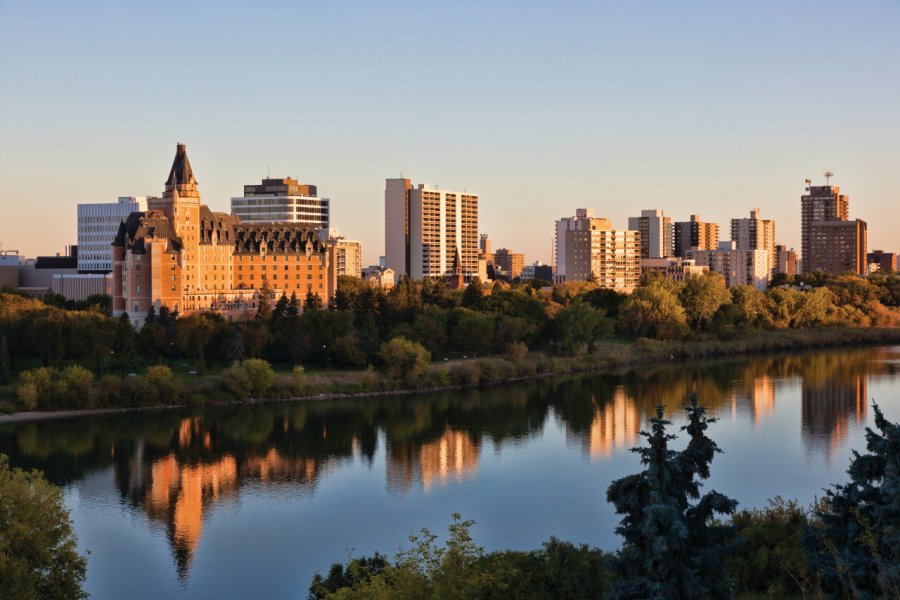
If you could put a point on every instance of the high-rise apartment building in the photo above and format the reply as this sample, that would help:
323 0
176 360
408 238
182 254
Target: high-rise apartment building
820 203
282 201
425 228
588 248
508 264
786 260
347 253
738 267
695 234
886 261
837 247
755 234
98 224
657 233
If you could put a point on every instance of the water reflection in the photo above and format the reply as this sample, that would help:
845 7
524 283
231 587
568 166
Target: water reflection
174 468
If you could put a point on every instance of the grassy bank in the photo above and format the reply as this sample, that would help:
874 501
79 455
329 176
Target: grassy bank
156 388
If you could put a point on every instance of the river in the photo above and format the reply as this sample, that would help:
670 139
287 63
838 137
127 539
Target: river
250 501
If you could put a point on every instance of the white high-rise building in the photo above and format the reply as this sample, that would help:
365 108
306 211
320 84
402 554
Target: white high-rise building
98 224
738 267
282 201
588 248
755 234
347 253
657 233
425 227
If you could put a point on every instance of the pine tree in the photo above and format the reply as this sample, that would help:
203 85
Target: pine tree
473 294
671 549
5 365
293 306
264 308
281 307
312 302
236 348
856 551
151 315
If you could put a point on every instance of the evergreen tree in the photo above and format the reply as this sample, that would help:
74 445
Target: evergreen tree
281 307
125 347
236 348
671 549
312 302
5 366
857 549
293 308
473 294
264 307
151 315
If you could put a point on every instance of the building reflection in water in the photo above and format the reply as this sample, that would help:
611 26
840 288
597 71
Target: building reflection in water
829 410
615 425
451 457
756 398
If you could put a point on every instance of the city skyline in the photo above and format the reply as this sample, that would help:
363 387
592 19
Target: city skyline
539 110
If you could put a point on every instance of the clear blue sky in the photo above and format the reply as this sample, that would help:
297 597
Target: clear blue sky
691 107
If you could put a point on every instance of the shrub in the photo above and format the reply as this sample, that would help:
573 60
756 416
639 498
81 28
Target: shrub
260 374
236 381
465 373
403 358
162 378
516 351
298 376
28 394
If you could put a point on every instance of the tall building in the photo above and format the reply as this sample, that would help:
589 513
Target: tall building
886 261
786 260
282 200
695 235
181 255
508 264
677 269
347 253
820 203
424 229
98 224
755 234
837 247
589 248
657 233
738 267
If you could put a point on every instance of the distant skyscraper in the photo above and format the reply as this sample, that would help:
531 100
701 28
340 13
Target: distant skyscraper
786 260
424 228
657 233
837 247
282 201
695 234
507 263
98 225
589 248
755 234
821 203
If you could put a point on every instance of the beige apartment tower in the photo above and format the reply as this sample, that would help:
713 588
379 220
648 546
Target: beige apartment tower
695 235
657 233
589 248
425 227
755 233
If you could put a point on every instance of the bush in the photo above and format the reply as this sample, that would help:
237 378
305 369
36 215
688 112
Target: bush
236 380
298 377
465 374
403 358
167 386
516 351
260 374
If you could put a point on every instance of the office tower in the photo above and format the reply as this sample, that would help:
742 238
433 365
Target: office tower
755 234
282 200
508 264
738 267
886 261
837 247
786 260
588 248
98 224
820 203
695 234
182 255
425 228
657 233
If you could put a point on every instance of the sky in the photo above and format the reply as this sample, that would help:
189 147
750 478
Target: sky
710 108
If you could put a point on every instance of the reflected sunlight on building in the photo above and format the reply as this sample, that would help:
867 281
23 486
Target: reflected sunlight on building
830 411
616 425
451 457
757 398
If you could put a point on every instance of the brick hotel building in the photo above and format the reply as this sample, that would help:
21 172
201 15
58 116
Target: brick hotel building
182 255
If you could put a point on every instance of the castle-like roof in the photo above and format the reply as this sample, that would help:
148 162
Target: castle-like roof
142 226
181 172
278 238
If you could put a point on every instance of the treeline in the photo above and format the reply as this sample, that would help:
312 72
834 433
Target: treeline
678 544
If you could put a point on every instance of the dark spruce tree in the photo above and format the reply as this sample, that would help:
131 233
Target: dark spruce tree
672 548
293 308
281 307
264 307
856 547
5 364
237 350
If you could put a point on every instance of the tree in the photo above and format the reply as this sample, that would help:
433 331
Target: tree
579 325
701 297
474 293
264 306
5 365
856 550
312 301
403 358
38 553
671 549
281 307
236 348
653 310
293 308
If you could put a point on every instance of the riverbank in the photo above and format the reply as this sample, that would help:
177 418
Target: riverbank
610 356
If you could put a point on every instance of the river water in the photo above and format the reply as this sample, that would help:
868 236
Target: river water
251 501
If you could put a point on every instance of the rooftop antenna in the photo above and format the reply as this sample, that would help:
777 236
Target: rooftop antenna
808 183
828 176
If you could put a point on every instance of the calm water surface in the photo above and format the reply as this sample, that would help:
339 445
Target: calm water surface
249 502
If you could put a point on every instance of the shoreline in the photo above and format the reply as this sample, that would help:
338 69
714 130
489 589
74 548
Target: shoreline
607 357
